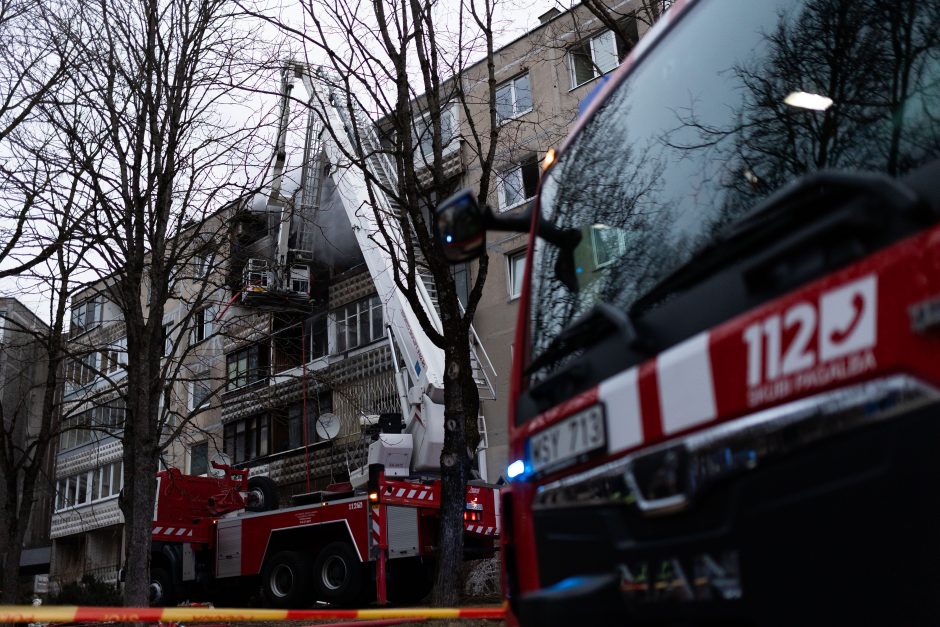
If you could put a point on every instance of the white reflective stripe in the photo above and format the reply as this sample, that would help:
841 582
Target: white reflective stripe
169 531
621 397
489 531
190 533
411 494
497 504
181 531
157 529
421 496
686 387
400 492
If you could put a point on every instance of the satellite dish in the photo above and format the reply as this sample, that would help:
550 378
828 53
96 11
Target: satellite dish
218 458
328 426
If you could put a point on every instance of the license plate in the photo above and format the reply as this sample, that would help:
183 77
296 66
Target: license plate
568 440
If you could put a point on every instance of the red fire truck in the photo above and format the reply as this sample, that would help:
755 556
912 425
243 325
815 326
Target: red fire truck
727 382
223 538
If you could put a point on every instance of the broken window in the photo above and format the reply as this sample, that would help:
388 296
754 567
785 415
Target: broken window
518 183
599 54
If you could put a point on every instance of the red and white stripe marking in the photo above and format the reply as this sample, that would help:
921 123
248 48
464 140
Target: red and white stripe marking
415 494
482 530
172 531
376 525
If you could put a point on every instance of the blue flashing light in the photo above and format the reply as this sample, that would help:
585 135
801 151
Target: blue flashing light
515 469
570 582
449 238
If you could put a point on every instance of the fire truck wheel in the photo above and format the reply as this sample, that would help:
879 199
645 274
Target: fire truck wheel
338 574
262 494
284 579
161 588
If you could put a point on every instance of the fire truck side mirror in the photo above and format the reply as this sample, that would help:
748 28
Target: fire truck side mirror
461 227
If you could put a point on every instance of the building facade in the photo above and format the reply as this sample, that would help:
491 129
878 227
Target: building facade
23 363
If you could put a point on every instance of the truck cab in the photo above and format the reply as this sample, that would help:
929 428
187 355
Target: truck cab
726 403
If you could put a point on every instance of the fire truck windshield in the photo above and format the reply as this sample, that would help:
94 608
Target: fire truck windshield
740 99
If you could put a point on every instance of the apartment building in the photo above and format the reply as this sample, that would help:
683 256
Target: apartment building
22 386
87 526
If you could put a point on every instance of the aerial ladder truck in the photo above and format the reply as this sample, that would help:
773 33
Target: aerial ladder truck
375 536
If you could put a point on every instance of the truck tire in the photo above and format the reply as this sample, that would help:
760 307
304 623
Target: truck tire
262 494
338 574
161 588
285 580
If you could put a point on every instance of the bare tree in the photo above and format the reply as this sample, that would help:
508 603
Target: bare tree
152 119
34 369
33 61
403 64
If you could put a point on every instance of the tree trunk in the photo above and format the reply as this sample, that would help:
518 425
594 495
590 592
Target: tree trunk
12 549
141 455
461 406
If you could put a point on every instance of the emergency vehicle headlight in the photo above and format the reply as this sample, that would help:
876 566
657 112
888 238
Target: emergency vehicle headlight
515 469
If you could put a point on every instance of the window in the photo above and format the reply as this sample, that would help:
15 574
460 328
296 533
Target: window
598 55
519 183
513 98
422 134
114 357
247 366
86 315
199 390
516 271
461 274
247 439
608 244
359 323
317 332
202 324
199 458
201 265
300 279
167 340
89 486
80 371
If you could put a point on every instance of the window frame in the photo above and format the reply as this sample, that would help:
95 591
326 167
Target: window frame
590 44
421 123
250 375
513 281
194 446
67 488
513 98
206 400
203 327
529 161
348 324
